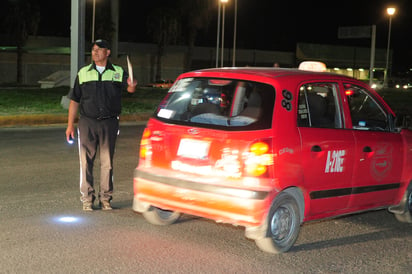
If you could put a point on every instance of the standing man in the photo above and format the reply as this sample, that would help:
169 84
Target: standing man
97 97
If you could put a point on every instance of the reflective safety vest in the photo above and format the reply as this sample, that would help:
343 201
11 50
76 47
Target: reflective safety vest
89 73
99 95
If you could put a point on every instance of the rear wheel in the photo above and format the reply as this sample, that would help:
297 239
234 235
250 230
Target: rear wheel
157 216
283 225
406 216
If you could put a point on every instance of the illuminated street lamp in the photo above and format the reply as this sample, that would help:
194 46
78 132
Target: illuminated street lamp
221 30
391 11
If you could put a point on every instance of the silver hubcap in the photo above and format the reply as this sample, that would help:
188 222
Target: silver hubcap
281 223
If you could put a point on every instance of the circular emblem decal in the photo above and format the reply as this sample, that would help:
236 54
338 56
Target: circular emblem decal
381 163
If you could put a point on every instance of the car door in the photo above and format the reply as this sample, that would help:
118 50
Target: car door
327 149
379 151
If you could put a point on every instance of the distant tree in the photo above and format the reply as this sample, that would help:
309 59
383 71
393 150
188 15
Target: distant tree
195 17
163 27
22 21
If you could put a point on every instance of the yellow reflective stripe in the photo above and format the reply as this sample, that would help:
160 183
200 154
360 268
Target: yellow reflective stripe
115 76
88 75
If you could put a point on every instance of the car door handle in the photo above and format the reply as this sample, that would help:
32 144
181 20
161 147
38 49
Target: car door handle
367 149
316 148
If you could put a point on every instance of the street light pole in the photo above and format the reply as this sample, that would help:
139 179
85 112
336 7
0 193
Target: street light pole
234 37
391 11
93 19
218 34
372 59
223 31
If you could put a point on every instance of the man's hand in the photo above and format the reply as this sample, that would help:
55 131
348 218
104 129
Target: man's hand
69 133
131 86
73 108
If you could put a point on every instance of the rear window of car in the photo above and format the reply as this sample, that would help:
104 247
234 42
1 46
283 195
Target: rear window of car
219 103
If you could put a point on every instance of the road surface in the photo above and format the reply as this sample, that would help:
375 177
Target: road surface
44 230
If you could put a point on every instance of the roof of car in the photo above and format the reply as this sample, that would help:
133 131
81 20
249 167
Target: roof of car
268 72
271 73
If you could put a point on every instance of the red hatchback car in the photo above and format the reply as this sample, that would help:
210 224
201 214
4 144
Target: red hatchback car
270 149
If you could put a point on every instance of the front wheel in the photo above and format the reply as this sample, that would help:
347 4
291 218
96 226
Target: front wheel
283 225
157 216
406 216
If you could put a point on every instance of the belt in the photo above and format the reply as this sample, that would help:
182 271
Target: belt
106 117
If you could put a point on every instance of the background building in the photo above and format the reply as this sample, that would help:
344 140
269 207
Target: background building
45 56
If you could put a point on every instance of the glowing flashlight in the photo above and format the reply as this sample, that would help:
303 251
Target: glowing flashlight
70 141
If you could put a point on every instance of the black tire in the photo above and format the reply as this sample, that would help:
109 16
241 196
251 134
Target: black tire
406 216
283 225
157 216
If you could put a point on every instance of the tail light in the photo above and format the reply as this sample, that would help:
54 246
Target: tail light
146 146
258 159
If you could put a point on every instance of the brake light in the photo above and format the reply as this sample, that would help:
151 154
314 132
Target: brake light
259 148
145 145
258 159
349 92
163 103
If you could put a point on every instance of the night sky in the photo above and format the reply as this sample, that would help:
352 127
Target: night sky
266 24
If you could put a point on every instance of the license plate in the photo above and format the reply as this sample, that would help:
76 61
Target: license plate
195 149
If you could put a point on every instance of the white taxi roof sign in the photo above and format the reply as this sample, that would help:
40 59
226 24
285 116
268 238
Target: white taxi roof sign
312 66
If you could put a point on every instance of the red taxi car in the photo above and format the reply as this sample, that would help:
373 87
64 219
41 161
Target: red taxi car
270 149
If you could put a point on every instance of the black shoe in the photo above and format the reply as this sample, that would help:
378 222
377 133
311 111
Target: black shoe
87 206
105 205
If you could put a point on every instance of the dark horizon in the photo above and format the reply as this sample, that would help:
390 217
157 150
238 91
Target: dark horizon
264 25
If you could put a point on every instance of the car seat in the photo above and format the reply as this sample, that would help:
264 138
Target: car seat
253 107
318 109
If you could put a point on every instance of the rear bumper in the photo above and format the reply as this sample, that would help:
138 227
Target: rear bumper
238 206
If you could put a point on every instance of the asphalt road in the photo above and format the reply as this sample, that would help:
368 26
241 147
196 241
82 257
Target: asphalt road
39 189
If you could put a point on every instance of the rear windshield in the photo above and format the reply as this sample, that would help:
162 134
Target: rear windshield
219 103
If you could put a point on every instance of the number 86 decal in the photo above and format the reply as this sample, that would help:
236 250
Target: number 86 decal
287 98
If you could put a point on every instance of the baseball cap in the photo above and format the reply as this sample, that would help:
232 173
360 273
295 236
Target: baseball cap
101 44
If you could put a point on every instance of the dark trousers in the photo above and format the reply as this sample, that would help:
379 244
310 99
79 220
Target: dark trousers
94 135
